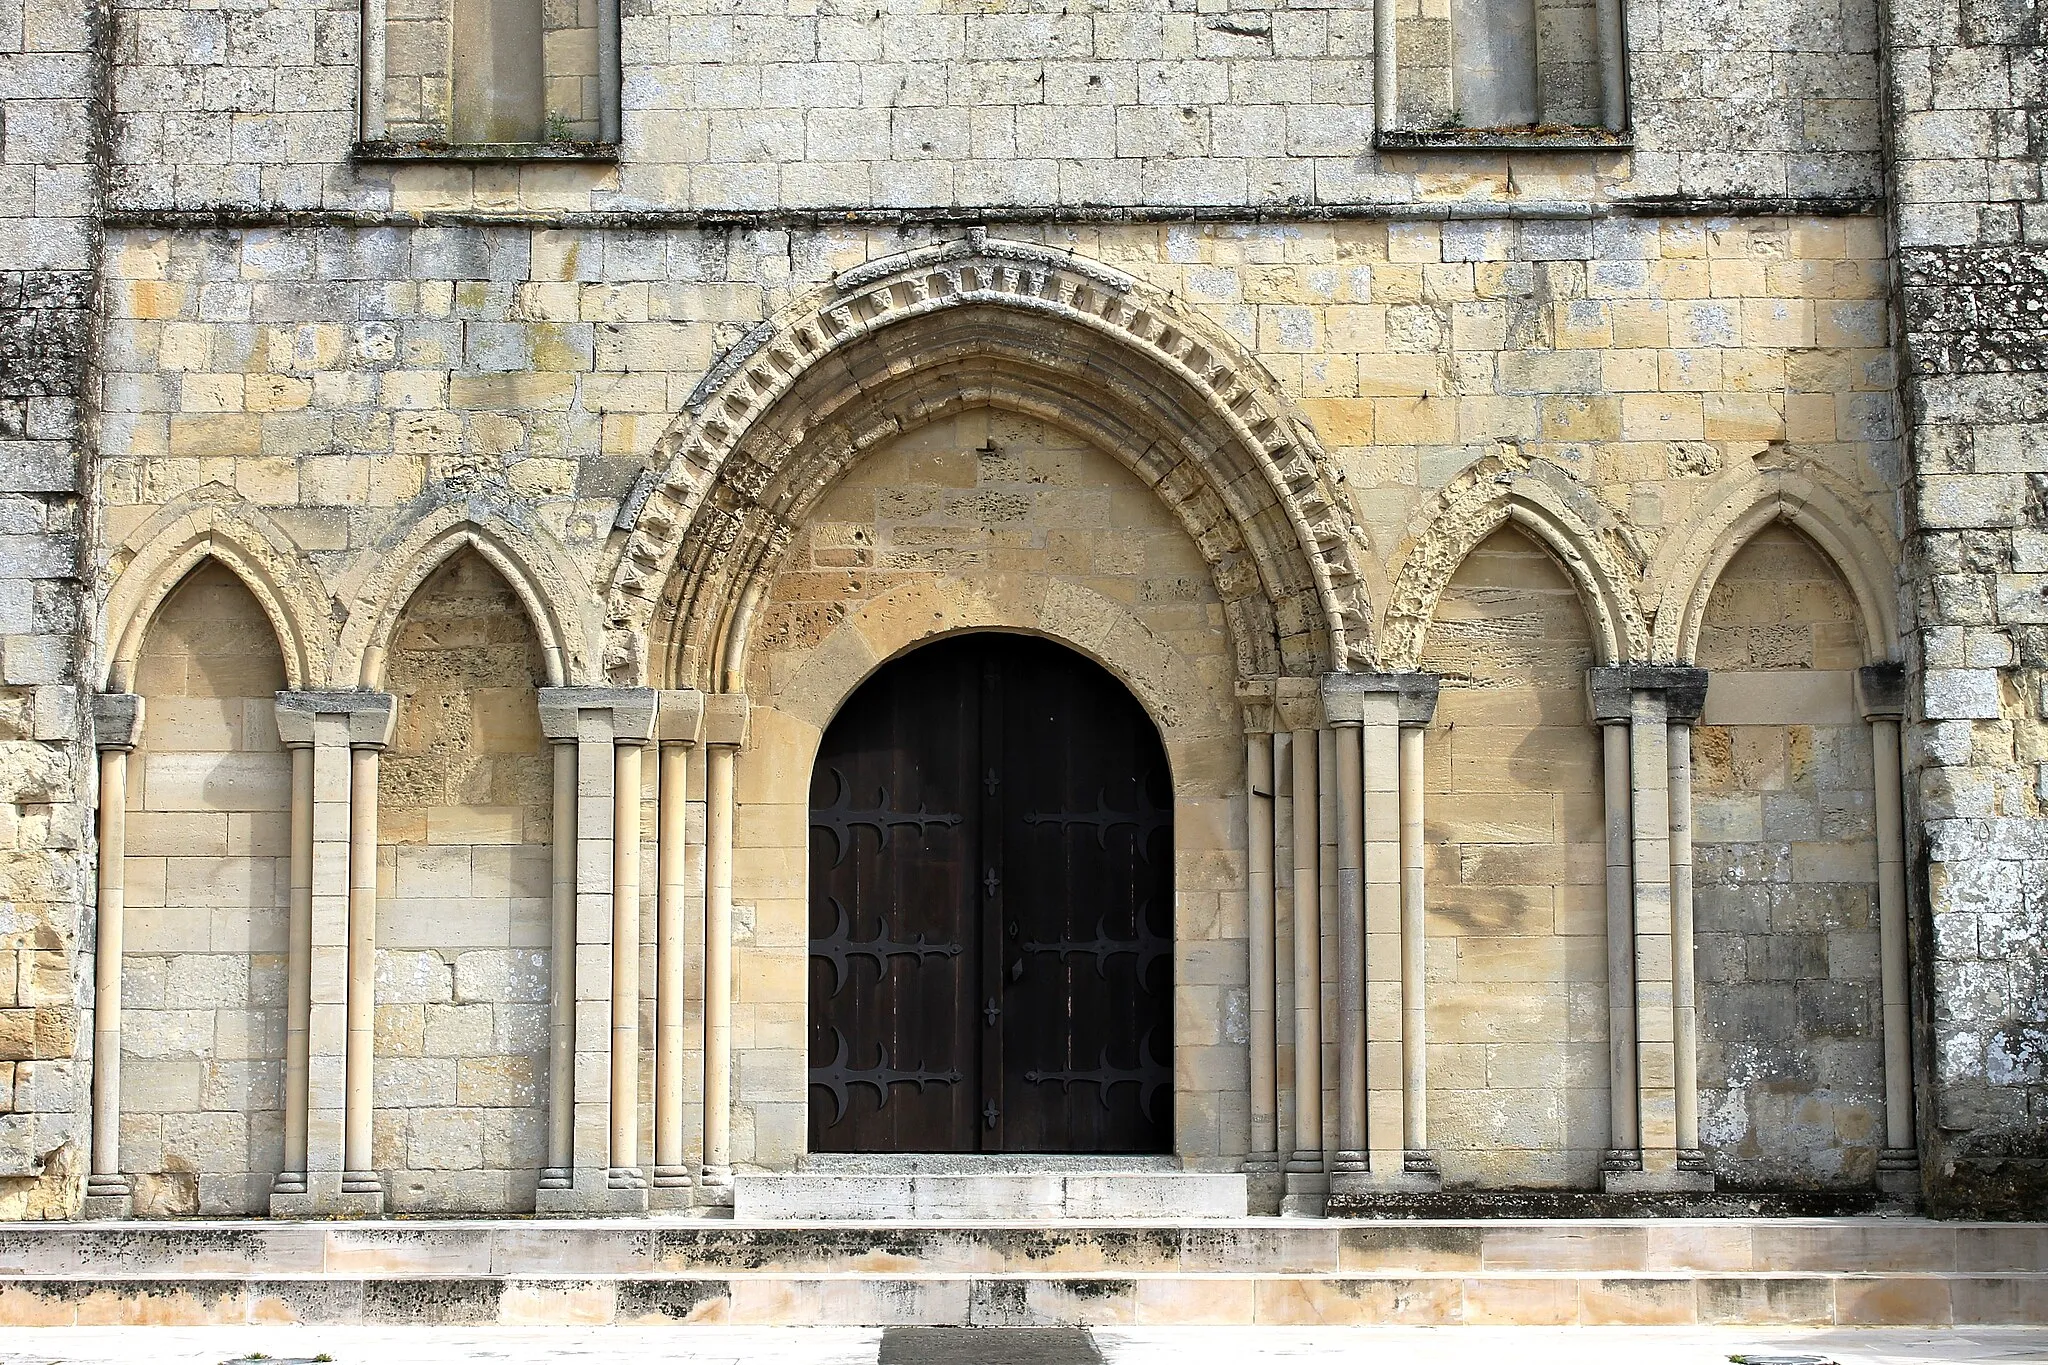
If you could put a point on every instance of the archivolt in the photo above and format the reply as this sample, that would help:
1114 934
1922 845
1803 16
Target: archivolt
539 570
214 523
1597 548
899 342
1747 499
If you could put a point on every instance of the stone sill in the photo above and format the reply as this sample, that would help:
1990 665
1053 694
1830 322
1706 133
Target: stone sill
604 152
1499 139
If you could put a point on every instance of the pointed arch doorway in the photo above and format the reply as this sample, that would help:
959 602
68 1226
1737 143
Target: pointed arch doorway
991 909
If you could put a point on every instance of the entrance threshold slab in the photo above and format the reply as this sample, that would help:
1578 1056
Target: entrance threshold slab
965 1192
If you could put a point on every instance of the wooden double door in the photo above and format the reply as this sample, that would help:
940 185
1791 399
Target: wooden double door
991 907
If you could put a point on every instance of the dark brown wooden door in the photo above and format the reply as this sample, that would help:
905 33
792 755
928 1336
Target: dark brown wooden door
991 873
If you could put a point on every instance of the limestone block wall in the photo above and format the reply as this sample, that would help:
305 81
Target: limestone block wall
462 906
1791 1058
896 106
1968 207
50 190
207 877
349 394
1516 879
1003 520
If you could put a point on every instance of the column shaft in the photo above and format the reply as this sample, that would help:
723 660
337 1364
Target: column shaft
1650 838
1891 922
1350 1157
1308 958
625 1069
106 1178
1623 1139
718 818
1414 1018
298 978
359 1176
1684 980
561 1158
1265 1144
673 779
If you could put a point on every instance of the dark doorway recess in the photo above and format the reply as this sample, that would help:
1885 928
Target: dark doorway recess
991 909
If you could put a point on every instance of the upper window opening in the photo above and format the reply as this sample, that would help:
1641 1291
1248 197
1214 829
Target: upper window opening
1482 71
515 77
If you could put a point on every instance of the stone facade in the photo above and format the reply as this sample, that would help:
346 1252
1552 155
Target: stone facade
563 489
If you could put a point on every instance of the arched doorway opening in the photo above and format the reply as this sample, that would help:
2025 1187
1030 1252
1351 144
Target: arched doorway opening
991 909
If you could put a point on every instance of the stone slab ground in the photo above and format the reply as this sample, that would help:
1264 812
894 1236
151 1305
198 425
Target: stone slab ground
1748 1273
1128 1346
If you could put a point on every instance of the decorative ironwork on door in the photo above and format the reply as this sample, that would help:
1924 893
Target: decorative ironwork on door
991 891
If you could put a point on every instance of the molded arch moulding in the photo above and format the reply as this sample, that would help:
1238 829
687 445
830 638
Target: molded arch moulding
1597 547
1193 724
549 585
214 523
1744 501
1243 472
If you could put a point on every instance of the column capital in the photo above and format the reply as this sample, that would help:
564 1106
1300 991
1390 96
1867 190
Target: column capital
1414 695
369 715
1881 691
726 718
630 711
1611 689
116 720
1255 706
679 717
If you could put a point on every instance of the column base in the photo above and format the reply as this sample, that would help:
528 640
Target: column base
1898 1173
1360 1191
592 1194
1306 1193
287 1182
714 1187
557 1178
1674 1180
1264 1184
328 1202
625 1178
108 1196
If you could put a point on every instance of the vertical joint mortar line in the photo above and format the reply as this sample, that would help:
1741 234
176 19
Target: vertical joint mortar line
1414 1020
672 777
561 1157
1263 1144
625 1002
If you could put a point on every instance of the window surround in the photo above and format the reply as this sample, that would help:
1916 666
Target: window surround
1613 133
372 143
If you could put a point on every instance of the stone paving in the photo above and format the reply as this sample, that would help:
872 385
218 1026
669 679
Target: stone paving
1153 1346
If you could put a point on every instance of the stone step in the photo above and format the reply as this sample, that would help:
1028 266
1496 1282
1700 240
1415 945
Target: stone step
649 1247
1100 1300
991 1194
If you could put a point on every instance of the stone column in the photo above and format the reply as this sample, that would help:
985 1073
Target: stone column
602 721
1641 695
298 974
117 728
1343 707
1417 709
624 1171
681 726
334 830
1881 696
1262 1163
1307 1188
1609 696
1683 702
725 732
559 1173
1376 953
